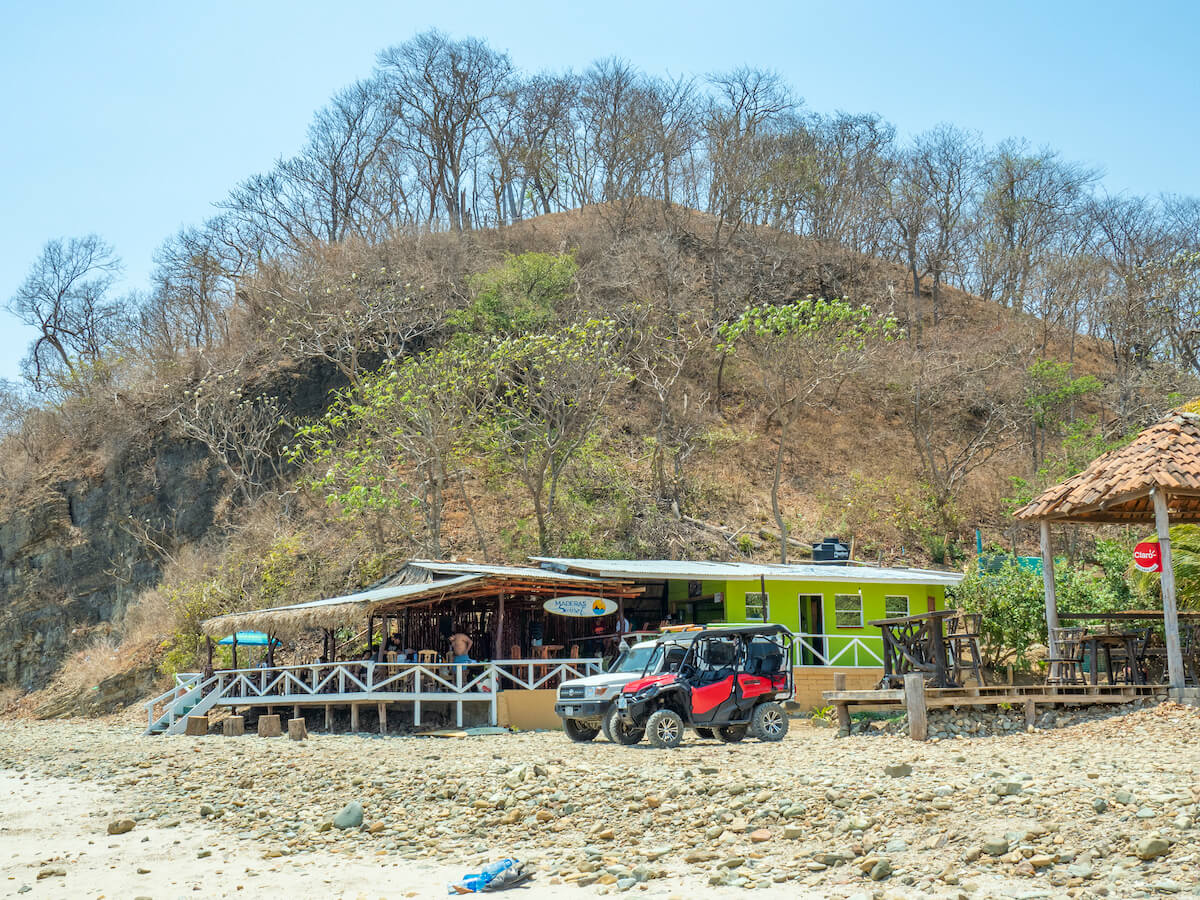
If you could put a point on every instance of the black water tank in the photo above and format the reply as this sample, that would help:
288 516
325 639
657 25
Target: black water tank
831 550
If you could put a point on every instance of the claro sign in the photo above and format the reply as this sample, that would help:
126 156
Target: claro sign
1147 556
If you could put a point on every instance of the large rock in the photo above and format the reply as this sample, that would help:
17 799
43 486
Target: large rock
351 816
1151 847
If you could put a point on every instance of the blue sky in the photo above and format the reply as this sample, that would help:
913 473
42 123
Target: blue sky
131 119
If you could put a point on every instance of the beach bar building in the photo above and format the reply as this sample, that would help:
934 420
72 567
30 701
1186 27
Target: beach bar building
532 627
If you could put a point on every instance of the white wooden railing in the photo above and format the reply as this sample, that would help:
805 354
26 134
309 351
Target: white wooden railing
362 681
838 650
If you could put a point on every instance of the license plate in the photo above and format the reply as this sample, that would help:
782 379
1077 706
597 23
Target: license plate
622 703
569 710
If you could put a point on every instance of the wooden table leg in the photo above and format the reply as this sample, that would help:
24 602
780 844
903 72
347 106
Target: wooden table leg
1095 673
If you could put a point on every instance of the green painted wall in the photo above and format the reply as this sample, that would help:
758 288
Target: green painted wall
784 608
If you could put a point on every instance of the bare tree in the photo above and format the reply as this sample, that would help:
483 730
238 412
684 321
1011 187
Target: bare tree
334 187
947 164
1029 201
961 412
441 93
65 297
242 431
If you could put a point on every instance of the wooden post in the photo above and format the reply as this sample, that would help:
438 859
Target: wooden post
1030 713
196 726
498 649
914 702
295 711
843 711
1170 614
328 718
235 665
382 717
1051 600
208 640
354 718
271 649
297 729
370 631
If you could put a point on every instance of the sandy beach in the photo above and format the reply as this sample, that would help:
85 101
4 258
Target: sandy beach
1104 808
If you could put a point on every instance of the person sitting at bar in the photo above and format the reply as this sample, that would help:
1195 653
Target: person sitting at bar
460 647
393 643
537 633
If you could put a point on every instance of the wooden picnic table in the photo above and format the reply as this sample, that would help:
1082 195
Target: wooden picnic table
1106 641
916 644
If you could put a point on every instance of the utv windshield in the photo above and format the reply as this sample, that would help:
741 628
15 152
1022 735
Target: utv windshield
634 659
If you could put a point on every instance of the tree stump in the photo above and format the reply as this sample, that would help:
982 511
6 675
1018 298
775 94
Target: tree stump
197 725
268 726
297 729
234 726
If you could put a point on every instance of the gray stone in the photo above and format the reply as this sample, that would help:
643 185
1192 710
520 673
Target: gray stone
120 826
899 770
1100 804
1151 847
995 846
881 870
1008 788
351 816
1123 797
1080 870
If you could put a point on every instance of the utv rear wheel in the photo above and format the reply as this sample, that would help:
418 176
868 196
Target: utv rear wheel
665 729
705 733
619 733
769 722
731 734
578 731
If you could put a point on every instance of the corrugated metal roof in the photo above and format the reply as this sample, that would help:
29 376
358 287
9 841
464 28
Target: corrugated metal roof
454 568
740 571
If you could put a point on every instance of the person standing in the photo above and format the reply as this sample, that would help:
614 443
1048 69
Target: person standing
460 647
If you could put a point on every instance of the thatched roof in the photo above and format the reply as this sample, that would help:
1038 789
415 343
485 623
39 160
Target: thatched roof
1116 486
419 582
332 611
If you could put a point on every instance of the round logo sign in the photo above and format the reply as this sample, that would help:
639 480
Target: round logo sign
580 607
1147 556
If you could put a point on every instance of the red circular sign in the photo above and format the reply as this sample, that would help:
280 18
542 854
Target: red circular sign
1147 556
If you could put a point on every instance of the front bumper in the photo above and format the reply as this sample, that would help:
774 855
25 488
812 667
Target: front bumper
581 709
631 712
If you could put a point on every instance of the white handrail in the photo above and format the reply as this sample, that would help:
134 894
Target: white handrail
855 646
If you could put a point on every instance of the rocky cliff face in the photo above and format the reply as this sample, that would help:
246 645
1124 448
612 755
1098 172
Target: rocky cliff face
74 556
74 553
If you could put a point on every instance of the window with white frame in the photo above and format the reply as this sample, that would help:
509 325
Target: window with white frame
895 606
848 610
757 607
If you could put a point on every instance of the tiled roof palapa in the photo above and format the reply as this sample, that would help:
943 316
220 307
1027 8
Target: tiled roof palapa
1116 486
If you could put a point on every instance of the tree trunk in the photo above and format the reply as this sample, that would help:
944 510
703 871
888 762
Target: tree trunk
779 522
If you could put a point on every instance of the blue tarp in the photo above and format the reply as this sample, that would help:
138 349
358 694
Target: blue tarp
248 639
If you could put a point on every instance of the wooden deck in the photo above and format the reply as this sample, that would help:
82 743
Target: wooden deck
358 683
916 698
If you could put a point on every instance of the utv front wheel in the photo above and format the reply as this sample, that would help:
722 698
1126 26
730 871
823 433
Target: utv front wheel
665 729
769 722
731 734
578 731
618 733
